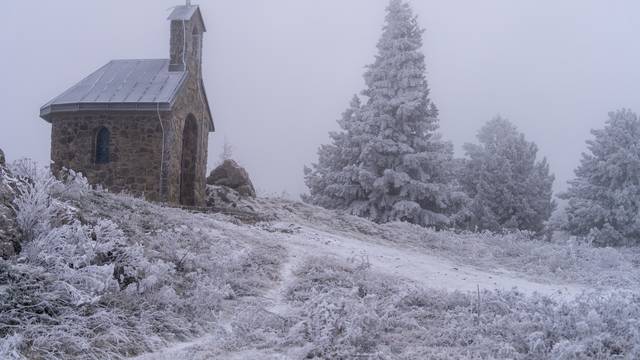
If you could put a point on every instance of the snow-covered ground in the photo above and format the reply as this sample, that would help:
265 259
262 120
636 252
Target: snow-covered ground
414 266
410 265
417 265
294 281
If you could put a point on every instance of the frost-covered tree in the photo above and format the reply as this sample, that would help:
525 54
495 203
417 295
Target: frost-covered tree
333 181
604 197
227 151
388 163
508 188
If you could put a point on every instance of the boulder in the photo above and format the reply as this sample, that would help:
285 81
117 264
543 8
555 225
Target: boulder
10 235
233 176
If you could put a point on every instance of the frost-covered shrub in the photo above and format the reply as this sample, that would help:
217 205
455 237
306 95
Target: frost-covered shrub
253 325
343 311
109 276
572 261
35 208
10 348
76 186
340 310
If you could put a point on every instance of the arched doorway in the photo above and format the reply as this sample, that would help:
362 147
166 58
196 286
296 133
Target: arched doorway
188 162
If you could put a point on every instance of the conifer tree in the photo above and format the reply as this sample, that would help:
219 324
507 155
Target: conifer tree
389 163
508 188
604 197
333 181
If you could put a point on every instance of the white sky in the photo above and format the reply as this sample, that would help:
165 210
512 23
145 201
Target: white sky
280 72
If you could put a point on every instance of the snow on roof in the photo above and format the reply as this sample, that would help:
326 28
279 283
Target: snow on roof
121 85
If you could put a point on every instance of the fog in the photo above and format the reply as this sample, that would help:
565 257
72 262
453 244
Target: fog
280 72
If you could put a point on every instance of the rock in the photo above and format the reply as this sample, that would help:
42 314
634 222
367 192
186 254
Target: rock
10 234
2 158
227 201
233 176
222 197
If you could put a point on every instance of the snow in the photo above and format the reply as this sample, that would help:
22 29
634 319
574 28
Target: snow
208 286
388 162
417 266
509 188
603 199
411 265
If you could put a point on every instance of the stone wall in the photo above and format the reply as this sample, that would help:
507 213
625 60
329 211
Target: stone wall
189 102
134 149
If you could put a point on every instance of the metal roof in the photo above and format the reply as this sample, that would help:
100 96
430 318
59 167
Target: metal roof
121 83
186 13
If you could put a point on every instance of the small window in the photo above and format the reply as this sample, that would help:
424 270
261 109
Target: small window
196 45
102 146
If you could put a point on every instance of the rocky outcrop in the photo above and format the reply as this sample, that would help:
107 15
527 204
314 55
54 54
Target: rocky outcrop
233 176
9 231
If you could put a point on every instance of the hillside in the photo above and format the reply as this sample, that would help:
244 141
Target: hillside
103 275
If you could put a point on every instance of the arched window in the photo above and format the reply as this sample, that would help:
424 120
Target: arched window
102 146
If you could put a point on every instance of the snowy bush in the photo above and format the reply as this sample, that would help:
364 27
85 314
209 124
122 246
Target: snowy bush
344 311
604 198
35 208
110 276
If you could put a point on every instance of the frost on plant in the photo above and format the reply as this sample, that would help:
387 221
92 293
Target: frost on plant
389 163
604 197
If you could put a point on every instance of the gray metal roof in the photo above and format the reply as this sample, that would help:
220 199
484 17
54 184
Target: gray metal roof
186 13
122 85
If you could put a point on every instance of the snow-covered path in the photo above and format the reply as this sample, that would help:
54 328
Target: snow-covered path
411 265
418 266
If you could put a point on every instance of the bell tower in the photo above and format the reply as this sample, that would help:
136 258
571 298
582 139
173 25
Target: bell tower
187 29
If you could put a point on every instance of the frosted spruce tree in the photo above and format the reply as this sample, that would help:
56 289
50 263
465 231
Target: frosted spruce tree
388 163
508 188
604 197
333 181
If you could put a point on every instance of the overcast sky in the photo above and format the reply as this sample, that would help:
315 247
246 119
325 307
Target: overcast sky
280 72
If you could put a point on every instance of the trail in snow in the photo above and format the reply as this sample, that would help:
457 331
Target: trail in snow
278 304
419 267
203 348
411 265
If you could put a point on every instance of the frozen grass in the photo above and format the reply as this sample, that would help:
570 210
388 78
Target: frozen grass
343 310
565 260
106 276
111 276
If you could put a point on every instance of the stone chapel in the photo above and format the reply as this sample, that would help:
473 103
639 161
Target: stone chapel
140 126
